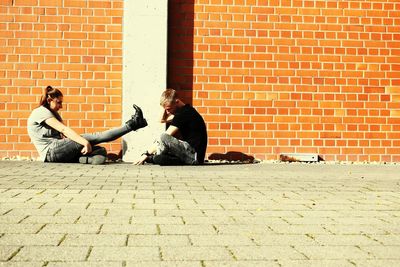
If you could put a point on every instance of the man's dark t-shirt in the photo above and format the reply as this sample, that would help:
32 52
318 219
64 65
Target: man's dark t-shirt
192 129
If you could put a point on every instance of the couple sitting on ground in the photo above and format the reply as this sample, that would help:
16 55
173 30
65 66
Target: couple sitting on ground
56 142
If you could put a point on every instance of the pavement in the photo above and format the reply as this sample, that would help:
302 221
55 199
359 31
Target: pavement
215 215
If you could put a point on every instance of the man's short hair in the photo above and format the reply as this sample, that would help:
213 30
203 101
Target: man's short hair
168 96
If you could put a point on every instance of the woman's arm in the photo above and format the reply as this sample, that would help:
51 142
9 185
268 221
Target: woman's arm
69 133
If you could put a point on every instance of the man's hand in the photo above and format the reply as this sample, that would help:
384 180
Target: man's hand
141 160
165 117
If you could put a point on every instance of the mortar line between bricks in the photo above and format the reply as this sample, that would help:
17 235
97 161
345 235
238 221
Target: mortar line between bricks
374 239
231 252
62 240
41 228
77 220
6 212
58 211
14 253
351 262
160 254
23 219
366 251
293 247
89 252
158 229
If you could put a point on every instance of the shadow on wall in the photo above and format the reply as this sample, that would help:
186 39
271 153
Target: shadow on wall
233 156
180 48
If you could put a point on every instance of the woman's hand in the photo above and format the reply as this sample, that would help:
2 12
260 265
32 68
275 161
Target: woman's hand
69 133
87 149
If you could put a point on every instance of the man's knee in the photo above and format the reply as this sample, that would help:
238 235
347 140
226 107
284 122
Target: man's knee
165 138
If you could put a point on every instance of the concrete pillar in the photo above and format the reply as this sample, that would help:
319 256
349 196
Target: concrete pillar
145 69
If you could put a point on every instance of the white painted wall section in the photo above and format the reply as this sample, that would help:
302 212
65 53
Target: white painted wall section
145 69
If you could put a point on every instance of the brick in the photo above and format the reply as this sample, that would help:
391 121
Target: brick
124 253
50 253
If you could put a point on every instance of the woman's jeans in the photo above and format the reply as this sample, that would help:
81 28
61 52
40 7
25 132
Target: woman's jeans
67 150
173 149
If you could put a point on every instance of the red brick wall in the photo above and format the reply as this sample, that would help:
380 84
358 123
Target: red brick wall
73 45
269 76
275 77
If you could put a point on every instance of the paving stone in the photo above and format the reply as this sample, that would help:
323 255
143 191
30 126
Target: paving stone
208 220
298 229
245 229
333 252
383 252
11 219
86 219
156 220
158 240
22 264
265 253
376 263
220 240
186 229
71 229
179 213
72 240
164 264
31 239
124 254
51 219
283 240
344 240
195 253
20 228
388 240
51 253
129 229
86 264
351 229
132 213
247 263
36 212
316 263
255 220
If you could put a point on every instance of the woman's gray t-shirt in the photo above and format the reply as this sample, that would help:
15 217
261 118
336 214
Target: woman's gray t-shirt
41 134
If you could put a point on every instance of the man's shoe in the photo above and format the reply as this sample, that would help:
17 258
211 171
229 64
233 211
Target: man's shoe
137 121
167 160
149 159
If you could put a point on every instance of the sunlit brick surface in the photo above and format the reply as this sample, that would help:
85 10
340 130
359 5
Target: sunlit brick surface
73 45
269 77
277 77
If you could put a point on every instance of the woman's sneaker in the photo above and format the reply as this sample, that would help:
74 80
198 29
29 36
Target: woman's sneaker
137 121
97 157
94 160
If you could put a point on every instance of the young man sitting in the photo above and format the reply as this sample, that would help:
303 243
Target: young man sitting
183 121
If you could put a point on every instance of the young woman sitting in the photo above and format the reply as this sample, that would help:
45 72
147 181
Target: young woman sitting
56 142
